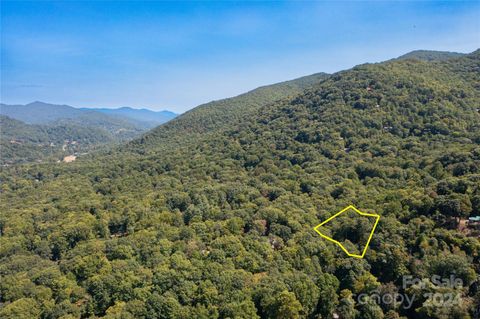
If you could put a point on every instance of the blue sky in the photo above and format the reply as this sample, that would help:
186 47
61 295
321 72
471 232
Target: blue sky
177 55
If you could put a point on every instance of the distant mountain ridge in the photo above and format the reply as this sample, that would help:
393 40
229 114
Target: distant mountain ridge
39 112
44 113
145 115
212 215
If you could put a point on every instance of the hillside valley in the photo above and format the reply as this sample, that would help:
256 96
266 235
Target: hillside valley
41 132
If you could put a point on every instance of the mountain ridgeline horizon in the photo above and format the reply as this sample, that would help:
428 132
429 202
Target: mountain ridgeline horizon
211 214
228 111
38 112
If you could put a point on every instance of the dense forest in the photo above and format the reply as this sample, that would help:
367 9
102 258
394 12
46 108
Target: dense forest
211 215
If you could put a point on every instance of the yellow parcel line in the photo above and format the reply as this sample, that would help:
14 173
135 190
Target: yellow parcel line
377 218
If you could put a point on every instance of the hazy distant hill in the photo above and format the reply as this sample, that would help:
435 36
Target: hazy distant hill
39 112
144 115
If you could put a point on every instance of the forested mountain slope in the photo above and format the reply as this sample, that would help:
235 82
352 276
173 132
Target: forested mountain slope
227 112
221 226
25 143
428 55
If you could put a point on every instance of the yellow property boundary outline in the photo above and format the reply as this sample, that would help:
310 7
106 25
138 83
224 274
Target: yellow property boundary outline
377 218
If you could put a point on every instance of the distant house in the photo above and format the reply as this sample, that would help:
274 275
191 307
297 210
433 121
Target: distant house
474 222
69 158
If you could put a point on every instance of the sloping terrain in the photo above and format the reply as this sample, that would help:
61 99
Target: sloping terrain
221 225
223 113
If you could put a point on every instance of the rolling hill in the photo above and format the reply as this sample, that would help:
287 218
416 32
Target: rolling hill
218 223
